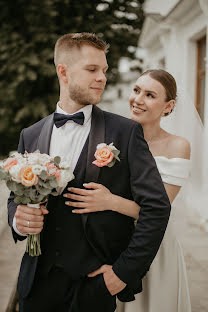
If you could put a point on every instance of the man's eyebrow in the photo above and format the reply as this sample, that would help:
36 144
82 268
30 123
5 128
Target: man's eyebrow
88 65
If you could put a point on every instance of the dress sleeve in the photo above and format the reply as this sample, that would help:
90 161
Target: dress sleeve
173 171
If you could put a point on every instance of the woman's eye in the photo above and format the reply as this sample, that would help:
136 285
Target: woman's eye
136 90
92 70
150 95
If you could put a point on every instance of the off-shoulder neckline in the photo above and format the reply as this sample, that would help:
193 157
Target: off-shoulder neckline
173 158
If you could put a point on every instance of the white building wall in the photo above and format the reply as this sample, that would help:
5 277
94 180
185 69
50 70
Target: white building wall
160 6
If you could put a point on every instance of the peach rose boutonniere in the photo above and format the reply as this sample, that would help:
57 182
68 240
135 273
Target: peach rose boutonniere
106 155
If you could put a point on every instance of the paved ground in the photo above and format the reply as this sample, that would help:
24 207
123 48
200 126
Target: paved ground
194 241
195 245
10 254
10 258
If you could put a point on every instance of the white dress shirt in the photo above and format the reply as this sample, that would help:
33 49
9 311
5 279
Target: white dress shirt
68 141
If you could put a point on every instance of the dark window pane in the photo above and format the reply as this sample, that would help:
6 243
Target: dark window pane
201 98
202 54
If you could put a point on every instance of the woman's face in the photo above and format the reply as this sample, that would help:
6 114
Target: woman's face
148 100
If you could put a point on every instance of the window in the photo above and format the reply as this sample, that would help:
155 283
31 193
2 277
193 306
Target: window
201 70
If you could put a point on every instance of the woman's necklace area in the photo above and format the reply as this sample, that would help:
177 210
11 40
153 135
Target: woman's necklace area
157 138
154 139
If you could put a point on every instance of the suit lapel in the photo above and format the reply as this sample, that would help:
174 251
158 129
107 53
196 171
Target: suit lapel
97 136
45 136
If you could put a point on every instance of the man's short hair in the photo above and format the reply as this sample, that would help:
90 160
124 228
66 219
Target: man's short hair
76 40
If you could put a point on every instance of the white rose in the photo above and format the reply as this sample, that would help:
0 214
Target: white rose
16 155
65 177
22 161
14 172
38 158
37 169
44 159
33 159
64 164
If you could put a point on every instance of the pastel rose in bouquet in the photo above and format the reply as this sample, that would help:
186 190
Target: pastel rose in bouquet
32 177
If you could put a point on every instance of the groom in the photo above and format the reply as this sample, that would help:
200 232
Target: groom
75 245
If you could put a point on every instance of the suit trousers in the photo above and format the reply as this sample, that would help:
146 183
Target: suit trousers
56 292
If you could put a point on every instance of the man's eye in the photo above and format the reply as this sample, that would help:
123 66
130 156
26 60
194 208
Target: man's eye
92 70
136 90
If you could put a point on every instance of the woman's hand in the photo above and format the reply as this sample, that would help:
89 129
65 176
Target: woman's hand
95 197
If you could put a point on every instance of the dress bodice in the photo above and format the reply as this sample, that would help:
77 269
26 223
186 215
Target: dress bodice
173 170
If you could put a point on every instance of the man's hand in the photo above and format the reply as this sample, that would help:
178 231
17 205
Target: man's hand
30 220
113 283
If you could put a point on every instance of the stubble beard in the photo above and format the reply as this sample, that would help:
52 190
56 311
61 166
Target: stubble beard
81 97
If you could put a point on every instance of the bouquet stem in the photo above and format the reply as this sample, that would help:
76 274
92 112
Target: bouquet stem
33 245
33 240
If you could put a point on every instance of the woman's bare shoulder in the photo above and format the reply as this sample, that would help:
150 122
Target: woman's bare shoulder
178 147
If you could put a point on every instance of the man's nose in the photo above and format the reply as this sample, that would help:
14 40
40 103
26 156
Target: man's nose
101 77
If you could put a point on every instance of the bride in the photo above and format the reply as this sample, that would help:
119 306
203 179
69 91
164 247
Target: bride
165 286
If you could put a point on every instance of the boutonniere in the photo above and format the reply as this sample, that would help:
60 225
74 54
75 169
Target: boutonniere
106 155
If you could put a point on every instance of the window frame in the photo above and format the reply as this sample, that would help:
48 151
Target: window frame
201 73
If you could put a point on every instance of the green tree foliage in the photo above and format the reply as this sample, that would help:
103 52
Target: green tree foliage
29 29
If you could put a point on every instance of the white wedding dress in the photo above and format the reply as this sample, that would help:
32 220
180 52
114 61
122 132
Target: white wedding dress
165 287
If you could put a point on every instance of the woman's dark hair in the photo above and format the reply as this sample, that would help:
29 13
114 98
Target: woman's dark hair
166 80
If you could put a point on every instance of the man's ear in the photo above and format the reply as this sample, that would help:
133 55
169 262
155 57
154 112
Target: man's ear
169 107
62 72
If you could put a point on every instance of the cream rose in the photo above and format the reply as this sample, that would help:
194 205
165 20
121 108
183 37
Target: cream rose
27 176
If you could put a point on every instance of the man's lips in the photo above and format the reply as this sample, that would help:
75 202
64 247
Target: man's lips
97 88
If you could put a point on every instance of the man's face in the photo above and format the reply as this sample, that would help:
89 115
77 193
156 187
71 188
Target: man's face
86 75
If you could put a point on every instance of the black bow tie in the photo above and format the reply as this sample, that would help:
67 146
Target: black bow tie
61 119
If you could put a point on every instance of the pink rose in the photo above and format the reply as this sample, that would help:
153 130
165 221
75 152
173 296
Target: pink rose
55 171
27 176
103 156
9 163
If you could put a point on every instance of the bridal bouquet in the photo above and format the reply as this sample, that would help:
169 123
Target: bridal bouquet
32 177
